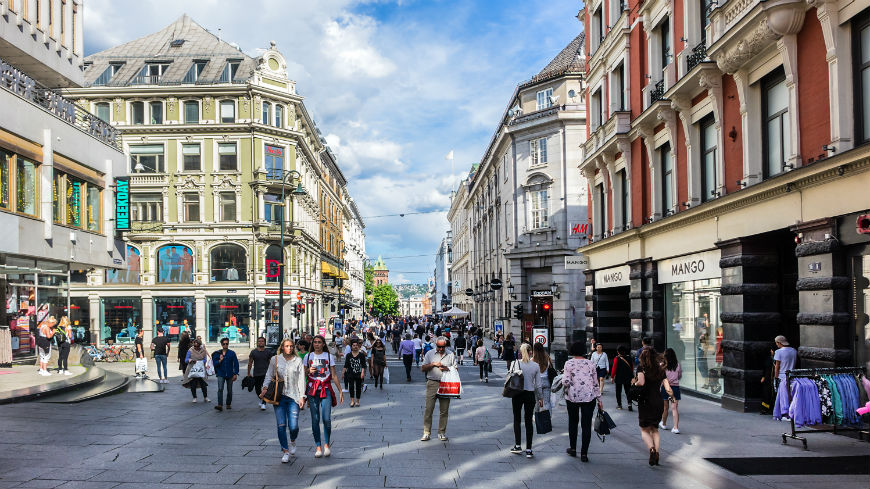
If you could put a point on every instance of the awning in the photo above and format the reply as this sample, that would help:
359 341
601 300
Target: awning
342 274
328 269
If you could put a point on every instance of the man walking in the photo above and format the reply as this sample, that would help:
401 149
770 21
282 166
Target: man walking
160 347
435 363
226 369
783 360
460 345
258 361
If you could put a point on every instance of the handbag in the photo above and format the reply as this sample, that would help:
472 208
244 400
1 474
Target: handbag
636 394
276 388
603 424
197 370
513 385
543 422
141 365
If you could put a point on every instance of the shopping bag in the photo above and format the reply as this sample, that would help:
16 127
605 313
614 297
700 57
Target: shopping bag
603 424
386 375
450 385
141 365
197 370
209 366
543 422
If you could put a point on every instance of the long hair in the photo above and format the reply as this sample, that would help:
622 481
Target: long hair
281 346
539 354
651 362
525 352
671 359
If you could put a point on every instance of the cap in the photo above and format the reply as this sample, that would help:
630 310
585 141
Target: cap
781 340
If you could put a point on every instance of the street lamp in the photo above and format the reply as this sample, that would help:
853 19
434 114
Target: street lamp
298 191
510 288
554 289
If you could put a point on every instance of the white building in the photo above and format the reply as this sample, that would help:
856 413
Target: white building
412 306
355 255
443 288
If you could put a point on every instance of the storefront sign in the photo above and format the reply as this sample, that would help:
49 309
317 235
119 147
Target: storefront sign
576 262
276 292
273 268
613 277
542 293
579 229
499 327
122 203
698 266
328 282
231 291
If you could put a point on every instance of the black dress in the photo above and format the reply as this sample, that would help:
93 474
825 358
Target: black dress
649 413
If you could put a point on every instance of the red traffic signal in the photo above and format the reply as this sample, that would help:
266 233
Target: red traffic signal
302 308
546 307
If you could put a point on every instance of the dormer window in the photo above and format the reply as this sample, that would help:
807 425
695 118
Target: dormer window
151 73
544 99
230 70
107 75
194 72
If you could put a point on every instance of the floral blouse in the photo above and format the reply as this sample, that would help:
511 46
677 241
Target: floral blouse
580 380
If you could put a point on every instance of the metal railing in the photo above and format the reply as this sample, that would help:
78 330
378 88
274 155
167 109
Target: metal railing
699 54
657 92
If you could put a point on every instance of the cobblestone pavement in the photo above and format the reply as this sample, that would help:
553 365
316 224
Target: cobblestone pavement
156 440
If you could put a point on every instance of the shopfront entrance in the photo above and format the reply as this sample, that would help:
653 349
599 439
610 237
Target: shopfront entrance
35 290
228 317
612 307
122 316
175 315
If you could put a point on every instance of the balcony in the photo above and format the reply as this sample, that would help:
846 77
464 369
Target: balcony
145 80
658 92
697 74
618 123
149 179
698 54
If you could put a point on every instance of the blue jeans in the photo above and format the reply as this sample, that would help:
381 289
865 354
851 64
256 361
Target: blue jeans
321 408
161 362
229 382
287 414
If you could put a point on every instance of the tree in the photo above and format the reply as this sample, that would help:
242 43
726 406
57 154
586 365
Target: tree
369 279
385 301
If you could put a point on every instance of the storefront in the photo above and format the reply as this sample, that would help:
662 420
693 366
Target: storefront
228 317
35 290
611 303
175 315
80 320
122 316
692 306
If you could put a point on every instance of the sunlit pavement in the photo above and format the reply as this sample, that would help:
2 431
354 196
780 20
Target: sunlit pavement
155 440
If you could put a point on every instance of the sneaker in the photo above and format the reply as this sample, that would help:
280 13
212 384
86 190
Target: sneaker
229 407
365 387
67 372
292 448
516 449
486 381
345 390
262 406
425 437
219 407
619 407
529 454
662 426
285 458
318 453
194 400
207 400
442 437
326 451
675 431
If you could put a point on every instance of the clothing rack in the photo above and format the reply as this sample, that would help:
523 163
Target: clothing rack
812 372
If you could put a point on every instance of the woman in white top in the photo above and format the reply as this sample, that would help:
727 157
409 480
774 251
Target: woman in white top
287 367
599 359
526 399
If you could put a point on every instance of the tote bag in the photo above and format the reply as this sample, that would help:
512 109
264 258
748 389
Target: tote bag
197 370
543 422
513 385
141 365
275 389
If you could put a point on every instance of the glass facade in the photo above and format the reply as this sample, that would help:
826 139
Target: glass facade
175 315
228 317
122 316
34 291
694 331
80 320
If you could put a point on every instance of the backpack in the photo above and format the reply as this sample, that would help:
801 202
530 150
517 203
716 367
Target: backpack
427 347
59 336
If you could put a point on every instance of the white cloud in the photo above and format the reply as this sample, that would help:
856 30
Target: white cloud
347 44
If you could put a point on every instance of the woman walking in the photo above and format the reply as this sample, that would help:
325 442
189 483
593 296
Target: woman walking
507 348
319 393
183 348
673 372
599 358
542 358
526 399
287 367
651 376
483 360
418 349
406 352
379 362
621 374
195 354
580 380
354 371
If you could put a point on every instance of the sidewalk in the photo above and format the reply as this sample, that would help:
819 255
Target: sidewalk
21 382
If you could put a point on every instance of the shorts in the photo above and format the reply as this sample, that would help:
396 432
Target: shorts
674 388
602 372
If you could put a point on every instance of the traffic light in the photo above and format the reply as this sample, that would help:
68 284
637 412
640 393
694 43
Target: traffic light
258 310
301 308
296 311
518 311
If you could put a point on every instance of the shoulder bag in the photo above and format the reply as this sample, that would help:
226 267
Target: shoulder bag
603 424
543 422
513 384
636 394
275 389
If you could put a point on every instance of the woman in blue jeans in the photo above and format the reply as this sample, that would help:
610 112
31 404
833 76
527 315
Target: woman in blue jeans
320 366
287 367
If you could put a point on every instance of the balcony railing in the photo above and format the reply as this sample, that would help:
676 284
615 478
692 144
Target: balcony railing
145 80
658 92
146 226
699 54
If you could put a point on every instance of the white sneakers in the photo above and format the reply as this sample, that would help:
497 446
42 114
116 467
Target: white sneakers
318 453
662 426
262 406
194 400
44 373
292 448
326 451
67 372
285 458
207 400
675 431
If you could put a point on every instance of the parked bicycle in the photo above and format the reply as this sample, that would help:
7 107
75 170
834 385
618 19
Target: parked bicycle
95 353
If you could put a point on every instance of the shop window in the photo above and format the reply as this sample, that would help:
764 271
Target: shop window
267 112
175 315
861 56
775 129
94 207
129 274
80 320
122 316
137 112
6 163
228 317
57 197
21 312
273 252
103 111
191 154
274 210
227 201
227 157
274 162
228 111
695 333
228 263
146 158
146 207
73 201
26 186
191 112
175 265
709 172
190 201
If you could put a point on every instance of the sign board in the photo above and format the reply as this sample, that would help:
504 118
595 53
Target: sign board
697 266
613 277
336 328
542 293
309 300
576 262
328 282
527 326
499 326
122 203
273 268
276 292
579 228
540 335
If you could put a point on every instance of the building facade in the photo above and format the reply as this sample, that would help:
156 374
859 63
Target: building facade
355 259
460 271
58 165
411 306
443 280
213 138
727 162
334 269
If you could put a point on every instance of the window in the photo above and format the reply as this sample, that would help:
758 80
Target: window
538 151
540 209
861 50
597 30
130 275
274 162
146 158
107 74
706 5
156 112
194 72
775 130
192 157
63 22
103 111
146 207
273 253
151 73
279 116
73 201
619 88
6 162
227 206
191 112
230 70
667 179
665 33
600 209
228 263
274 211
25 185
597 106
137 112
227 157
228 111
544 99
57 197
175 265
267 113
623 197
709 175
190 206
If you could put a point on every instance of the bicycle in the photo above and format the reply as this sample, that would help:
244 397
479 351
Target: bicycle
95 353
112 353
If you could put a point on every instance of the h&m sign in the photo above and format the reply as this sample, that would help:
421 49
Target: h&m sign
613 277
697 266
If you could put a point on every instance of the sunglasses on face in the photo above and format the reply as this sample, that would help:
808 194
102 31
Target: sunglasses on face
224 344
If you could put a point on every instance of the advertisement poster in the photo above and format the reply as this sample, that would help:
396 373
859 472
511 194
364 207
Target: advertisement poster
175 265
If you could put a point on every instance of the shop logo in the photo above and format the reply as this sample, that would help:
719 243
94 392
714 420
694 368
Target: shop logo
273 268
577 229
687 267
122 203
613 277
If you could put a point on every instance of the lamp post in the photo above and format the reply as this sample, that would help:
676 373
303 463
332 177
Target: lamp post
298 191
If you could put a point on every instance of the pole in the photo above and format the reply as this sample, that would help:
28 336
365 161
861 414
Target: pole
281 266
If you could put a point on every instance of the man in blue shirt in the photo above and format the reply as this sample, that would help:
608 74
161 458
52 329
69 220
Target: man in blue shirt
783 359
226 369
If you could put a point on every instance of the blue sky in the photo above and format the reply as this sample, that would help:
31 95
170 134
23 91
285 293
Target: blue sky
393 85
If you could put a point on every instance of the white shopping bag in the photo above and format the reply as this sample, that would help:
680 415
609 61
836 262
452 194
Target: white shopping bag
141 365
450 386
197 370
209 366
386 375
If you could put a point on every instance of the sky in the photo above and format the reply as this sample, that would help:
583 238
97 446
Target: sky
394 86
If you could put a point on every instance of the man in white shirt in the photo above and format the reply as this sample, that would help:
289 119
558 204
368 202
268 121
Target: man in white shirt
435 363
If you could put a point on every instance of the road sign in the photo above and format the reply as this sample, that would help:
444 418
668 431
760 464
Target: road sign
499 327
540 335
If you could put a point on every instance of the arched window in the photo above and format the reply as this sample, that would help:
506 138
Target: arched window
228 263
273 254
175 265
130 275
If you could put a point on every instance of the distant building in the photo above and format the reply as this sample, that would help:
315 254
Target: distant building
443 261
412 306
381 273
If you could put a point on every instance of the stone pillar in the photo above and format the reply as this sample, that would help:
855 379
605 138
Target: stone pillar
823 291
201 313
750 317
647 318
147 316
96 319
